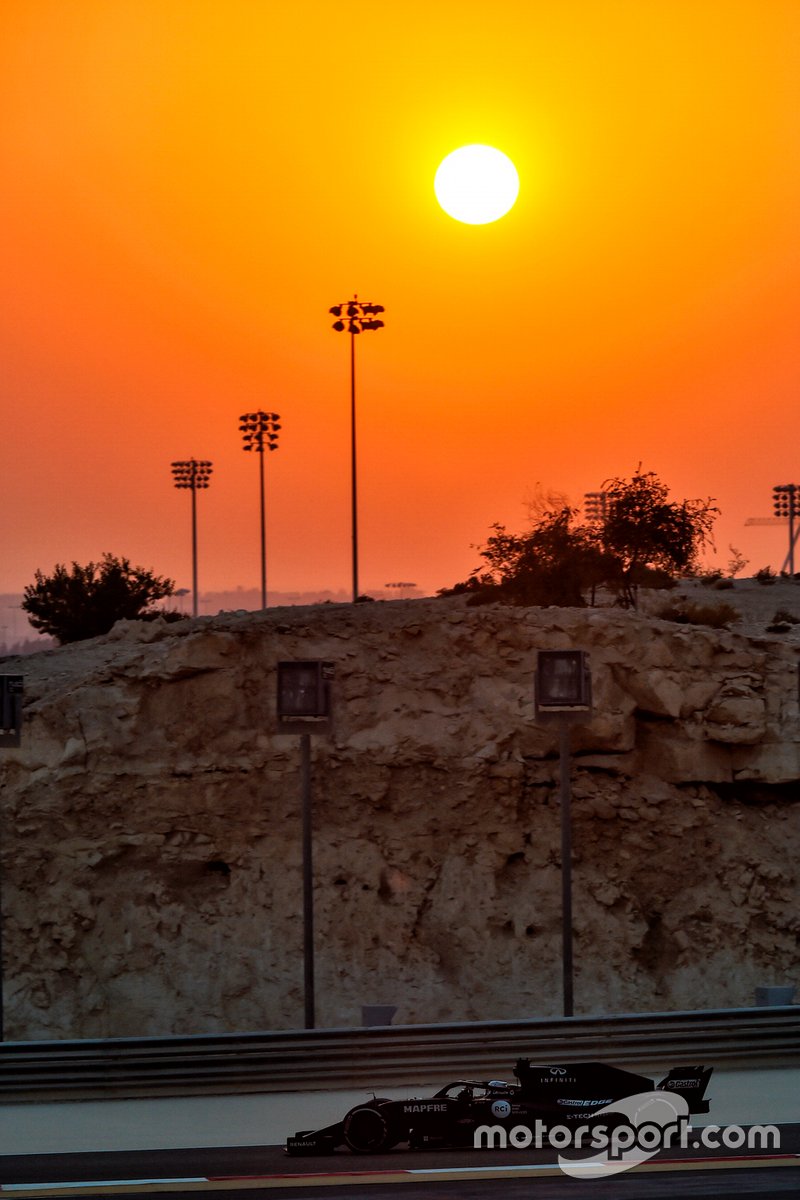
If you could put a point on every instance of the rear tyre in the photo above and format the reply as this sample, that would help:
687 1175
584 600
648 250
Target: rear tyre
367 1129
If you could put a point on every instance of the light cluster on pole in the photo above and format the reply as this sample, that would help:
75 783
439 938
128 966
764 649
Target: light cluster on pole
193 474
783 499
259 432
784 503
355 316
595 505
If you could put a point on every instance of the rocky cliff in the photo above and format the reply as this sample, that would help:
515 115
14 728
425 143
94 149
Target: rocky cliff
151 837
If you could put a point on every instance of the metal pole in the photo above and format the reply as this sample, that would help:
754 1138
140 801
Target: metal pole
263 530
791 531
566 866
308 882
796 535
194 545
353 461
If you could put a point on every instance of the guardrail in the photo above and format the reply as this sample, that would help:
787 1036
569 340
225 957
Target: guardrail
305 1060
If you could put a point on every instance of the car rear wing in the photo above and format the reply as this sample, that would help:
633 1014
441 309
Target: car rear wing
691 1083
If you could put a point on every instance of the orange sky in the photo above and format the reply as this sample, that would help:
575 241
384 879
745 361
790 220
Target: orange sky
188 185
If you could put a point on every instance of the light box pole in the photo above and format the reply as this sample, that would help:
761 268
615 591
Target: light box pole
304 707
563 693
10 735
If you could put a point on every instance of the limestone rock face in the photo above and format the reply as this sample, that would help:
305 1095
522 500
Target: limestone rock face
151 826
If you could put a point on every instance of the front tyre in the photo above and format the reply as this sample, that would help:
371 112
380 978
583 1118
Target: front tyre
367 1129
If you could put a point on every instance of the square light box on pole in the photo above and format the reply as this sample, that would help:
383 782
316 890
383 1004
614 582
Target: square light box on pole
563 693
304 707
11 710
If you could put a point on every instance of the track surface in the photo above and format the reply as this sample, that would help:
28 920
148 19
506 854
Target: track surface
457 1174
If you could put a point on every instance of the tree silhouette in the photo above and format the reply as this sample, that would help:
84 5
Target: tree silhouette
644 531
641 537
554 562
86 601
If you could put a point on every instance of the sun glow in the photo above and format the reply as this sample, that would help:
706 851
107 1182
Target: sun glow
476 184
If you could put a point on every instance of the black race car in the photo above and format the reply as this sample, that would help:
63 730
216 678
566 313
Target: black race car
558 1095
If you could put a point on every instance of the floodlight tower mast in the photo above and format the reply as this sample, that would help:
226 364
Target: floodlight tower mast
259 432
784 501
193 474
353 317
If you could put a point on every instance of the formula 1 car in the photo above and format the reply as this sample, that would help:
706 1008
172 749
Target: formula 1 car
563 1095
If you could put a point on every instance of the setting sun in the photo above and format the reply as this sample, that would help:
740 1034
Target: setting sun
476 184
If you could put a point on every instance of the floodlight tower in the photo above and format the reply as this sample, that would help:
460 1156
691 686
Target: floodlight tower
193 474
595 505
259 432
354 317
784 503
